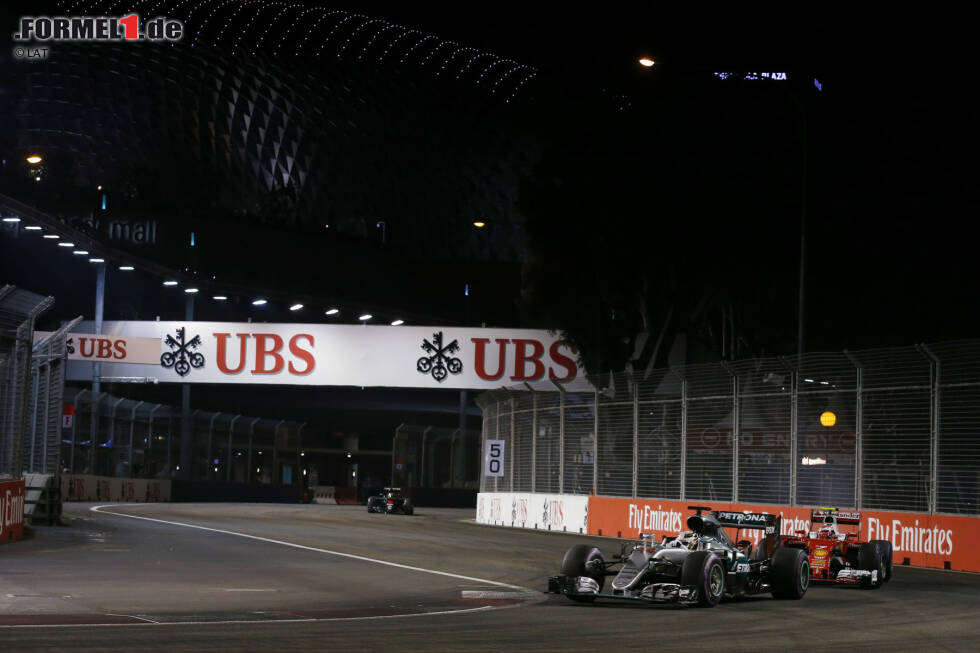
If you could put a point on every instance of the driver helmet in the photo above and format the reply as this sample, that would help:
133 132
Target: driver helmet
686 539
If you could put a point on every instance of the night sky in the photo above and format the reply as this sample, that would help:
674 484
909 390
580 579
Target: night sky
892 137
893 140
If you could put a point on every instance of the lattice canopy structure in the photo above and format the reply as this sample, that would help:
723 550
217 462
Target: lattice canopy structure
291 114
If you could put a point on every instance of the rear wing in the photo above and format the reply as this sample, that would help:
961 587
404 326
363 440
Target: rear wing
852 517
758 520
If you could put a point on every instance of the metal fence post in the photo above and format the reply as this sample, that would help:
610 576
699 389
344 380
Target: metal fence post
210 460
513 441
858 432
496 479
299 450
683 479
132 434
251 434
37 387
112 428
231 431
561 437
636 434
736 425
394 447
74 432
595 441
534 437
793 433
933 426
149 431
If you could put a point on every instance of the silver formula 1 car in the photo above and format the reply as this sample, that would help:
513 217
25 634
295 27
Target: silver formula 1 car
699 566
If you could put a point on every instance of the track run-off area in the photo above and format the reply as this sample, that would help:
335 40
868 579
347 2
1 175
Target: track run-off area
312 577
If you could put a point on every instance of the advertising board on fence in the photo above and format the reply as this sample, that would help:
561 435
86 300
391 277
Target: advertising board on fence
11 510
924 540
918 539
84 487
548 512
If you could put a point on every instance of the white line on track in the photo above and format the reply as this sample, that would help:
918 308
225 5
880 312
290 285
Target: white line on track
149 623
99 509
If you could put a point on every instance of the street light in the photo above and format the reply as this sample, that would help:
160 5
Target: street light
34 159
646 62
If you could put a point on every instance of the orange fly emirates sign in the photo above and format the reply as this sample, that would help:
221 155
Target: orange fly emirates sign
925 540
11 510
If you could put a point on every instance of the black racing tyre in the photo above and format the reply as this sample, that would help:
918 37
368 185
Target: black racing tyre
789 573
372 504
885 549
705 571
407 507
574 564
870 559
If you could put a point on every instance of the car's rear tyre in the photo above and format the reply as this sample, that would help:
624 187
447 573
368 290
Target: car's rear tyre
885 549
371 504
870 559
575 563
705 571
407 507
789 573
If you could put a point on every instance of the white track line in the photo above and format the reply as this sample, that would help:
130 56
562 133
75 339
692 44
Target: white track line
99 509
150 624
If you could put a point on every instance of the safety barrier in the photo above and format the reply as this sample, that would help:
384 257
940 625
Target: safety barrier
918 539
86 487
335 495
11 510
42 502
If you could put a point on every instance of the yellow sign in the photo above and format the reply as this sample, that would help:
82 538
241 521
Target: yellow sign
828 419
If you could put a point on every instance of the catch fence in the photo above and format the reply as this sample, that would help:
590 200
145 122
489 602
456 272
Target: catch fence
890 429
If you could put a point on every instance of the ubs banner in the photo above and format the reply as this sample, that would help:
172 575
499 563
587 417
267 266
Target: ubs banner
321 354
11 510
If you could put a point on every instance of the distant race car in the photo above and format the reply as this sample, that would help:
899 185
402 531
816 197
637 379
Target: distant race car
698 567
390 500
841 557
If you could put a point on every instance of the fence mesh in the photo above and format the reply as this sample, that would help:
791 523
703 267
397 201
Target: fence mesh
892 429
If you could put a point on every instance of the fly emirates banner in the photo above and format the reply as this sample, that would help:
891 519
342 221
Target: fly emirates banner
322 354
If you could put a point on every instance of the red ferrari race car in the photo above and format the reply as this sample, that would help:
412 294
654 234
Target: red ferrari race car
840 556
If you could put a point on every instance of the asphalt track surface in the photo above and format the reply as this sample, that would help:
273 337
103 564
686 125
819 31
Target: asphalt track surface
256 577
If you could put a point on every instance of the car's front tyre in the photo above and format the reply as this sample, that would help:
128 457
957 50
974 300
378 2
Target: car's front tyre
870 559
579 561
885 550
705 571
789 573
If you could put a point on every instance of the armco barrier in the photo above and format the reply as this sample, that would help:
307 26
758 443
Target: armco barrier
551 512
85 487
918 539
11 510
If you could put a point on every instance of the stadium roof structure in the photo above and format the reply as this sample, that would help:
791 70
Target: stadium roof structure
292 115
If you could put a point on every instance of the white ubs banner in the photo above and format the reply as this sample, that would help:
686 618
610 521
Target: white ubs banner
115 349
350 355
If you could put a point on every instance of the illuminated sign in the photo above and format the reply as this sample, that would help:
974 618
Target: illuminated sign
779 77
326 354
